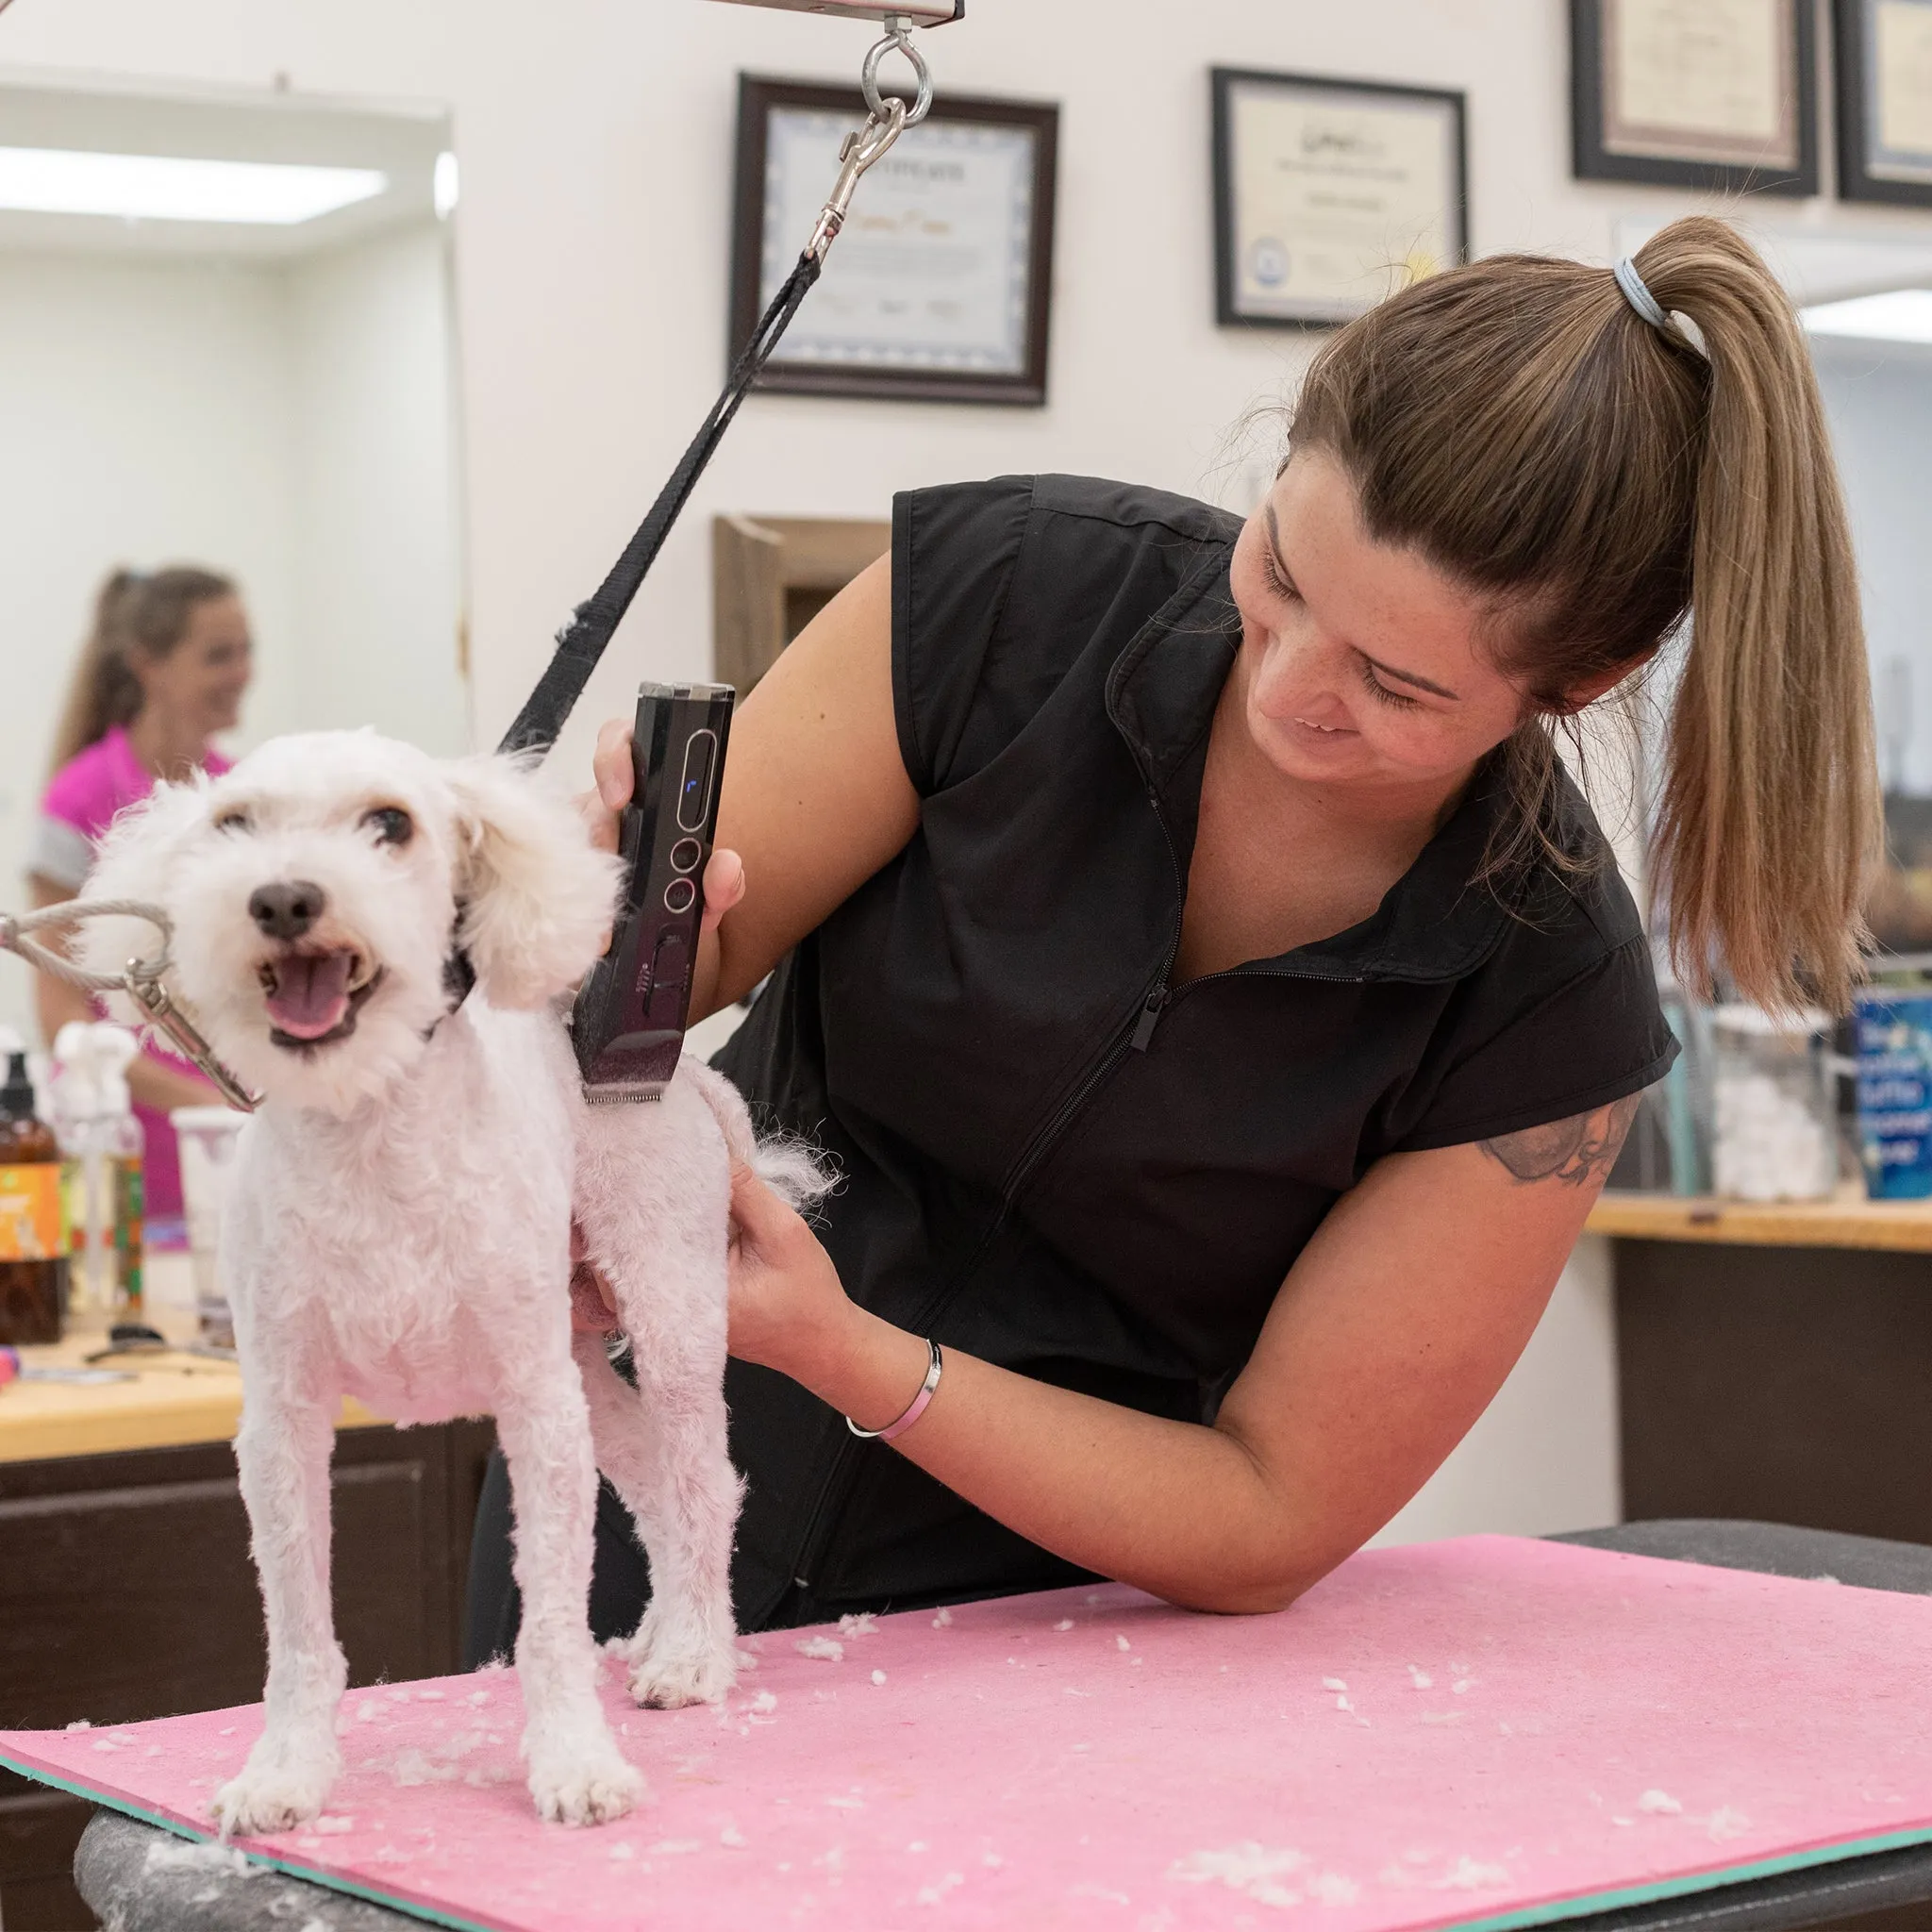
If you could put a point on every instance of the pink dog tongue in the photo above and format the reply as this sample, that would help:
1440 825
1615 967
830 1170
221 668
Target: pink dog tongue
311 994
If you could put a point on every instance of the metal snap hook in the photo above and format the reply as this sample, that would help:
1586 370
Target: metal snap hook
860 149
898 40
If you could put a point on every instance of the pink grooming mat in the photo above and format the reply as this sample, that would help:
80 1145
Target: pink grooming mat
1485 1732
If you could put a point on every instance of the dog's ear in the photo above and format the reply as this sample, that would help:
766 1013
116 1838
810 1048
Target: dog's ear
537 896
136 860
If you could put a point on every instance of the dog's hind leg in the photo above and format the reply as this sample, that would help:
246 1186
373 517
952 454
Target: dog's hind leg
679 1487
283 1452
653 1195
577 1774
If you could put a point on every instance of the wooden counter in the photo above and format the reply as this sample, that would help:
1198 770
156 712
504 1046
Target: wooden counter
1895 1227
1772 1360
173 1399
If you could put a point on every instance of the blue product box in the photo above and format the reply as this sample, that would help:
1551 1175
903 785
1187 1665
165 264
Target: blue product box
1896 1093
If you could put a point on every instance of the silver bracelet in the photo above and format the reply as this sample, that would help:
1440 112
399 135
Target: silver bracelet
914 1409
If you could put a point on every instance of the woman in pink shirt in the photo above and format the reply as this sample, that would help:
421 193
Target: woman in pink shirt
162 673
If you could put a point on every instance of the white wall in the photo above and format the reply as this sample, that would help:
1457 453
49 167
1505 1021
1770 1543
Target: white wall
1544 1457
378 573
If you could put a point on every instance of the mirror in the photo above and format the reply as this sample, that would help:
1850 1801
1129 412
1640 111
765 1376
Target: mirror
225 342
1874 355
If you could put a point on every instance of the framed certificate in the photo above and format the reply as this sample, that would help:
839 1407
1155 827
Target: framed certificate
1329 193
1712 94
1885 100
938 288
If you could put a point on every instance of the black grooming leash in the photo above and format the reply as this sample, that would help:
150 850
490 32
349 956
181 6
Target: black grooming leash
581 641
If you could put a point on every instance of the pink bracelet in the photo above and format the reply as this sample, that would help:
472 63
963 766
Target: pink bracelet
914 1409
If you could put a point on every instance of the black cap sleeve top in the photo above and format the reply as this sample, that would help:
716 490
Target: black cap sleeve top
1053 1158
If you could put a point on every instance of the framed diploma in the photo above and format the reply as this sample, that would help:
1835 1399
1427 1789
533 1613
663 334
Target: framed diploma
1713 95
938 288
1329 193
1885 100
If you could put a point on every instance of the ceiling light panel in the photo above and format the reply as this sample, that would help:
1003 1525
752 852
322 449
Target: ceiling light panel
1899 315
172 188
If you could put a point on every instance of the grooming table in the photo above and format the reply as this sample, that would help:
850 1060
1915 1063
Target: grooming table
1486 1732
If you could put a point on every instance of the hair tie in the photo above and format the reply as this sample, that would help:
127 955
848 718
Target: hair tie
1637 292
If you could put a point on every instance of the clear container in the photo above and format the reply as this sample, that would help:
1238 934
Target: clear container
1774 1104
209 1137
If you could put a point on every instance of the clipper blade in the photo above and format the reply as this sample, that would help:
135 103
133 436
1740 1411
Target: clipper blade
628 1096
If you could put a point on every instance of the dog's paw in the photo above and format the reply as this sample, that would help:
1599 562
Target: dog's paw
665 1674
587 1789
277 1796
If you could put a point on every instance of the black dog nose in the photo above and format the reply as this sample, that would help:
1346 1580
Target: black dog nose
286 911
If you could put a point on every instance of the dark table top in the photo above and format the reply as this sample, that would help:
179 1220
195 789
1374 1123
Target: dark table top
116 1877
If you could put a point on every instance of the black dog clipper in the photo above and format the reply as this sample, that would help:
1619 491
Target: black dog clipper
628 1027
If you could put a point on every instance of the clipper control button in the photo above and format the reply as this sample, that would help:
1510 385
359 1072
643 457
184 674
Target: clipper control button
685 855
678 895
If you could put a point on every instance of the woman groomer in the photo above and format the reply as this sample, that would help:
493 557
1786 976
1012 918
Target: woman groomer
1222 1007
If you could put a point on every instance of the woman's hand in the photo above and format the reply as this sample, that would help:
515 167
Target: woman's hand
614 774
593 1307
788 1310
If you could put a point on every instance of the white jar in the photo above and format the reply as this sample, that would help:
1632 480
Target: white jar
1776 1122
207 1136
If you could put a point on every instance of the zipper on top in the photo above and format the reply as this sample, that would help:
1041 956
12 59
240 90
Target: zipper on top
1150 1017
1162 994
1162 997
1134 1033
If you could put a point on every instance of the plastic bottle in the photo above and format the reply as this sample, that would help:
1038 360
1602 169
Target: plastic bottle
33 1231
100 1132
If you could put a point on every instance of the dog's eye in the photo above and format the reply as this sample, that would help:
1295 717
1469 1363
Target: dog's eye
234 821
390 824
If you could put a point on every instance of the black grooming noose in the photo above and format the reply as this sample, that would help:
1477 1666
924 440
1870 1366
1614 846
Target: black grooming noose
581 641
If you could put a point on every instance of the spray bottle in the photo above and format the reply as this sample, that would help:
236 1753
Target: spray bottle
33 1233
100 1135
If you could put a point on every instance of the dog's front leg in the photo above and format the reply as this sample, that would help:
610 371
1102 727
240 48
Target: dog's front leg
577 1774
283 1452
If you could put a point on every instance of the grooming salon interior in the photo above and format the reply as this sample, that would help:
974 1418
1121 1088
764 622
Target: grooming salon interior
1268 587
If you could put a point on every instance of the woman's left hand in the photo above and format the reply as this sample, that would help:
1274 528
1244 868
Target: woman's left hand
788 1310
787 1303
593 1307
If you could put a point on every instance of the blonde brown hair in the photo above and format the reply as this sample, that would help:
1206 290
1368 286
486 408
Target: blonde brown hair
1520 426
134 613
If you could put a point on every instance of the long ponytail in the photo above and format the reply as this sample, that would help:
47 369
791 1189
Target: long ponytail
1768 826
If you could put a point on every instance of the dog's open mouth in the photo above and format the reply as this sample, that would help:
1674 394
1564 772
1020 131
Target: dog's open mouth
314 996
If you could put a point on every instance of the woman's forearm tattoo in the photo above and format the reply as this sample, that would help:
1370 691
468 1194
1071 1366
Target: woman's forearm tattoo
1580 1150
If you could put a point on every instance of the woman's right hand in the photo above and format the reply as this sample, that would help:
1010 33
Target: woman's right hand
613 772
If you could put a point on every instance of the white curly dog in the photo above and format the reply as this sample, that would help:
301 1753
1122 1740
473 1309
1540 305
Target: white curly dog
399 1227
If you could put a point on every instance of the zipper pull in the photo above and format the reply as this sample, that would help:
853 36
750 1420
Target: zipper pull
1150 1018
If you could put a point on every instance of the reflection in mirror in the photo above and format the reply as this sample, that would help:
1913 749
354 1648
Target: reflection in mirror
1874 356
228 503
